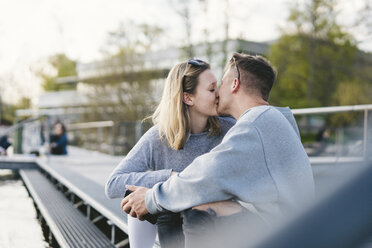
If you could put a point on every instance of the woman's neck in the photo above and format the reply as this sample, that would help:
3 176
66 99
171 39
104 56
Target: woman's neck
198 123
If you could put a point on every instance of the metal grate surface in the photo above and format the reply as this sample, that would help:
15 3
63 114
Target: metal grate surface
69 227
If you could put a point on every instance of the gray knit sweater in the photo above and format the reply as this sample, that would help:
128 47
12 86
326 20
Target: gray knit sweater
152 161
260 161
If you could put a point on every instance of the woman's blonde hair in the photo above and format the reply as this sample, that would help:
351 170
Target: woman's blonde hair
172 114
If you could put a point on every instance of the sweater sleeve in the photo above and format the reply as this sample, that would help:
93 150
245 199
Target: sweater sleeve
232 169
136 169
62 141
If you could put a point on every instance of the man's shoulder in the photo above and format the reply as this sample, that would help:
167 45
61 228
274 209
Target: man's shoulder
265 116
255 113
226 122
271 112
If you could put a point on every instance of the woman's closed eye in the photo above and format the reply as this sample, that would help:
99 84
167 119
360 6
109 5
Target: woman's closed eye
213 88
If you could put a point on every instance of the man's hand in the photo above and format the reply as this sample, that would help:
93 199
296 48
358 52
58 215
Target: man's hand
134 204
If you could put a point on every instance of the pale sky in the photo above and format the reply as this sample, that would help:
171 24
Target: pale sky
32 30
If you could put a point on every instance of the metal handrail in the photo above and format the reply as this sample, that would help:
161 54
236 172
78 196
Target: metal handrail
338 109
19 125
94 124
335 109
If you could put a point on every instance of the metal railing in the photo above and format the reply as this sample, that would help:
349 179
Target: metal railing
339 109
119 137
115 138
35 126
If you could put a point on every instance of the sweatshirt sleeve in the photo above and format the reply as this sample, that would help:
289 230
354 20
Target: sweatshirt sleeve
230 170
136 169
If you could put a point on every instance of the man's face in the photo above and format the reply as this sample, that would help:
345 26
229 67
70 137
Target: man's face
225 93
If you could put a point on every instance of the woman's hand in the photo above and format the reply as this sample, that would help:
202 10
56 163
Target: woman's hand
222 208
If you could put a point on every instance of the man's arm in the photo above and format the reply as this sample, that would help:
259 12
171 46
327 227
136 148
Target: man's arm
134 203
234 169
230 170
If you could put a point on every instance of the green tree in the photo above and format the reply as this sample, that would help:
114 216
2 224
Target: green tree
64 67
123 89
7 110
312 56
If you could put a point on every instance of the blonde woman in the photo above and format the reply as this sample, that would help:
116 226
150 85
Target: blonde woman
185 127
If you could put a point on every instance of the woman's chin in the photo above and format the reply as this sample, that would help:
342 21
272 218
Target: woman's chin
215 113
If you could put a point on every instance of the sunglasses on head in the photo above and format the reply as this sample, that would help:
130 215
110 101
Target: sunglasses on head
237 69
196 62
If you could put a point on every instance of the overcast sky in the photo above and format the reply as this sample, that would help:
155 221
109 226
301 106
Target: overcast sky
31 30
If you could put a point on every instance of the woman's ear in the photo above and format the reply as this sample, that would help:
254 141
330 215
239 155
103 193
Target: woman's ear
187 99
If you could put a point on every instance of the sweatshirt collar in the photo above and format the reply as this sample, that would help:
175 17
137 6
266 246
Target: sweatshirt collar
249 109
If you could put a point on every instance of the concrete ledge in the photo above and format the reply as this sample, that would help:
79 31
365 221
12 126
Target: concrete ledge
17 162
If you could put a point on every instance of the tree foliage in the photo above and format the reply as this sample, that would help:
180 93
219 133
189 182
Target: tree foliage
315 58
64 67
7 111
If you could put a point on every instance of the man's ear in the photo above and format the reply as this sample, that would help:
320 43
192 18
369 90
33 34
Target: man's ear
235 85
187 99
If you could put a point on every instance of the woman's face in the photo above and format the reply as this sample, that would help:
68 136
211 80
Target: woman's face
205 95
58 129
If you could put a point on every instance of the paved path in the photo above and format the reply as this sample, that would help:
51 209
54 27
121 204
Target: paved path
89 164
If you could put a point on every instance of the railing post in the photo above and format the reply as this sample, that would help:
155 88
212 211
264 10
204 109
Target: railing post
47 138
113 134
365 134
18 139
88 212
99 138
138 128
112 225
339 142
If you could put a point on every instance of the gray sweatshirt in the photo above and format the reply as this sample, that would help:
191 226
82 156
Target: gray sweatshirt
151 161
260 161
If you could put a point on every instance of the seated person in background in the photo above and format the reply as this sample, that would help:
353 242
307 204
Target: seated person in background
4 144
58 140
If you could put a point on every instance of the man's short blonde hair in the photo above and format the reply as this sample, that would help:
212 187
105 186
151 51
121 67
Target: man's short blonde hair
255 73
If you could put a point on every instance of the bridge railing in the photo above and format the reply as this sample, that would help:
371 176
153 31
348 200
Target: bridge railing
351 140
29 135
115 138
319 137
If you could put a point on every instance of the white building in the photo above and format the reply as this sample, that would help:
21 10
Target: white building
74 102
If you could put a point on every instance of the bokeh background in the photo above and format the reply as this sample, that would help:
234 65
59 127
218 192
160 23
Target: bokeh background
106 61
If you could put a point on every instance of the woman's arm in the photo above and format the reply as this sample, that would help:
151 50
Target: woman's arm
137 168
127 173
222 208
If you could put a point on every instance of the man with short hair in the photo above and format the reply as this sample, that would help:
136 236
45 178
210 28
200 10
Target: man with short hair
260 161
